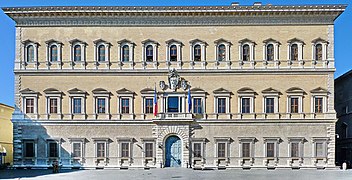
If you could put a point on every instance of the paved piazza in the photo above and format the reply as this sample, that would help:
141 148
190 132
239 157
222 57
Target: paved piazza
177 173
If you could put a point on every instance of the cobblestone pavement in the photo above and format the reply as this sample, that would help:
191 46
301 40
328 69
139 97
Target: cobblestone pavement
177 173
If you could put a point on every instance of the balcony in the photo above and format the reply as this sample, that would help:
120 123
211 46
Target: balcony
187 117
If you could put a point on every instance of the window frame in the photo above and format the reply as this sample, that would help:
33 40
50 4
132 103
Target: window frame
121 45
77 94
276 142
153 142
251 48
178 45
251 141
202 45
82 142
58 142
324 142
49 54
222 94
83 45
271 93
24 152
129 142
106 142
324 45
300 44
26 45
276 49
227 45
155 46
300 141
226 141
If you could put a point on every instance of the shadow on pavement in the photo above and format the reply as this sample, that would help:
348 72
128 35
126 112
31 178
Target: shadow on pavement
29 173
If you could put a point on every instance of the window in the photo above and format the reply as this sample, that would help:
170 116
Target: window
221 149
294 105
77 54
53 53
173 53
270 149
100 149
294 52
270 52
53 149
125 106
197 150
77 105
149 149
269 105
149 53
246 149
125 149
245 103
197 53
319 149
30 53
295 149
319 52
53 104
125 53
245 52
221 105
101 53
149 105
221 52
101 105
29 149
29 105
76 149
197 106
318 105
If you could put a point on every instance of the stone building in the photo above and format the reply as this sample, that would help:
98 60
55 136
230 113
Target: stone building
343 107
191 86
6 140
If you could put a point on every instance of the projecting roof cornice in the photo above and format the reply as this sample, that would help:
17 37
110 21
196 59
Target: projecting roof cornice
173 15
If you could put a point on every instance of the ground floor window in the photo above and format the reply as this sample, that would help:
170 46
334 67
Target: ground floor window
53 149
197 150
77 149
246 149
29 150
221 149
125 150
101 149
149 149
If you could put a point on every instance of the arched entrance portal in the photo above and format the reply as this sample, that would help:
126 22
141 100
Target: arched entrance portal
173 152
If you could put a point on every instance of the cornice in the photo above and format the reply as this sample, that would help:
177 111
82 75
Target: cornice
175 16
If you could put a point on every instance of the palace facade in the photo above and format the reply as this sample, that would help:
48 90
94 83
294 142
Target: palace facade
177 86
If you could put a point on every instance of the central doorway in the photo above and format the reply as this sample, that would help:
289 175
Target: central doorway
173 152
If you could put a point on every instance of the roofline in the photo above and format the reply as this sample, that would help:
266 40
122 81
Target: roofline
219 8
343 76
8 106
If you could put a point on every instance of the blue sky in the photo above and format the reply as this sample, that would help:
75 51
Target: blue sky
343 30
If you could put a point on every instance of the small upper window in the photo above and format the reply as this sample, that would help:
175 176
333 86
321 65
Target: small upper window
319 52
270 52
30 53
294 52
173 53
77 53
197 53
125 53
53 53
101 53
149 53
246 52
221 53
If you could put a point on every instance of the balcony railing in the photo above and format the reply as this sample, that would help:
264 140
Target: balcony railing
184 64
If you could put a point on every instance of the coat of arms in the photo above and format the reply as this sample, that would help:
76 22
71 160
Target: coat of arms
174 79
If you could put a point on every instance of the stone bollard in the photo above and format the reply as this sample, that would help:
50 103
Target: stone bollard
344 166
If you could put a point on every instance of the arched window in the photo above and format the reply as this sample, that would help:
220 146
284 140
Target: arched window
53 53
77 53
125 53
270 52
221 53
197 53
173 53
149 53
294 52
246 52
319 52
30 53
101 53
